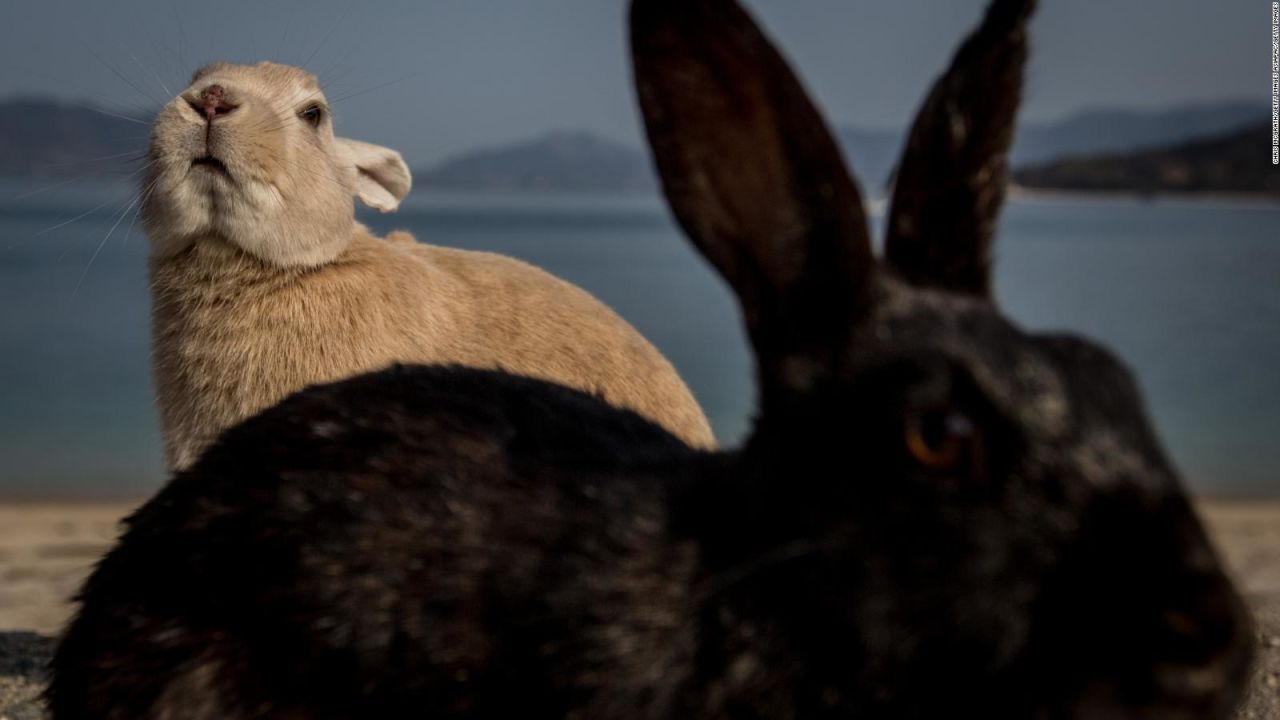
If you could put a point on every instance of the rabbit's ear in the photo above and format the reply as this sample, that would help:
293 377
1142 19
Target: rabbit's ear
755 179
951 180
382 178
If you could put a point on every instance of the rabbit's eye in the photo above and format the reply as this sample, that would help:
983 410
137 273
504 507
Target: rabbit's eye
313 114
940 439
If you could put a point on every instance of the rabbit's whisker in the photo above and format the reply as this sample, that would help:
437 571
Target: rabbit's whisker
142 199
101 245
132 156
788 552
114 115
167 91
182 39
375 87
126 80
328 35
46 188
78 217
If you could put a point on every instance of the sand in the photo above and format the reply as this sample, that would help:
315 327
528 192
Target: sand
46 550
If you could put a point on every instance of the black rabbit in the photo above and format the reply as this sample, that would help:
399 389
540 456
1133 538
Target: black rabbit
938 514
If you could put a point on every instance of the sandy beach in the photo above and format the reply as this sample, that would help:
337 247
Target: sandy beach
46 550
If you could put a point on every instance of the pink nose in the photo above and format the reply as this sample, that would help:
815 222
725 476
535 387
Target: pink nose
213 102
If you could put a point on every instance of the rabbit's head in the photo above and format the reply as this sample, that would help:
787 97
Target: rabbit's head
936 496
247 154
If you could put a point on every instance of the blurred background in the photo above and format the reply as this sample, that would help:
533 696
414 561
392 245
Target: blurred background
1145 212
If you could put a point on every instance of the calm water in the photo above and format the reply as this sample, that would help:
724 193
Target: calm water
1188 294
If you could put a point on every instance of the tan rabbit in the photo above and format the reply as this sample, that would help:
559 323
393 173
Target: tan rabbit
263 282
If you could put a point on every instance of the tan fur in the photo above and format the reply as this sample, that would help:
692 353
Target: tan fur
263 283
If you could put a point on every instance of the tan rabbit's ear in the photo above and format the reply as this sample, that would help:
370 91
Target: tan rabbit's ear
382 178
951 180
756 180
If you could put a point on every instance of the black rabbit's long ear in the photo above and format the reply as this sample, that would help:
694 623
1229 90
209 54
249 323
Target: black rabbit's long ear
951 180
755 178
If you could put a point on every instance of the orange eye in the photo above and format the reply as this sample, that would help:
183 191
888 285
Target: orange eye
939 438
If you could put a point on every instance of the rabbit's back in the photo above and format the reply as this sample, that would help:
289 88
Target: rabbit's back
468 541
233 336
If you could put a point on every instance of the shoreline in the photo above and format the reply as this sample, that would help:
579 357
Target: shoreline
1228 199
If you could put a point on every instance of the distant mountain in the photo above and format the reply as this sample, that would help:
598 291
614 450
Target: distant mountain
44 138
576 161
1238 161
1112 130
582 161
874 153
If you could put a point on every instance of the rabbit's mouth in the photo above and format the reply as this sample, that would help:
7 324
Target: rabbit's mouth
212 163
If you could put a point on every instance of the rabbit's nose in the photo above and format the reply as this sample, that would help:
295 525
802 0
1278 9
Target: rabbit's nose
1204 640
213 102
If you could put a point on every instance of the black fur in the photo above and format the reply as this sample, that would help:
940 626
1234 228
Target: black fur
951 180
753 174
938 515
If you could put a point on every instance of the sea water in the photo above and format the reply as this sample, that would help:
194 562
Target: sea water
1187 293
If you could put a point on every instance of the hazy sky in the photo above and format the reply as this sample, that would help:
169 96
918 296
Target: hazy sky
431 77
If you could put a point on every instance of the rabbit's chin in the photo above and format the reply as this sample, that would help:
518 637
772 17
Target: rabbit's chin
247 213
